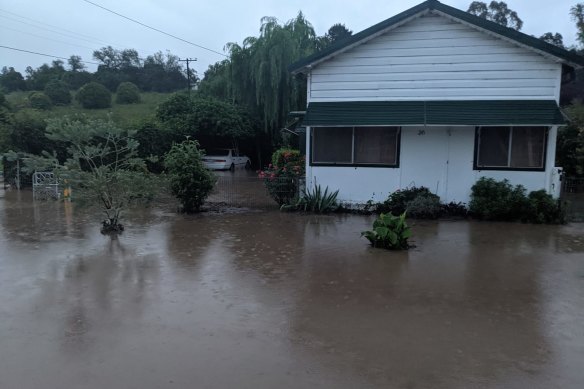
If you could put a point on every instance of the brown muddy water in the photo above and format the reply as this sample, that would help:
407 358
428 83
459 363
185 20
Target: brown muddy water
272 300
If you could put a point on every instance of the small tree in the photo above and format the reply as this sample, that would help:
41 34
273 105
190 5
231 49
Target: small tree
102 166
127 93
58 92
39 100
190 181
93 95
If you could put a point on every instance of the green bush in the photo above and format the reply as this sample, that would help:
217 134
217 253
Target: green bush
38 100
283 175
190 181
317 201
127 93
453 209
397 202
58 92
544 209
424 207
389 232
94 96
498 200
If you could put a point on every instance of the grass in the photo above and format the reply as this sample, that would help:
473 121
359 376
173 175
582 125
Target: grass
123 114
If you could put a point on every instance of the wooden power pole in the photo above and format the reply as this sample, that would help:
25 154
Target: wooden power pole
187 60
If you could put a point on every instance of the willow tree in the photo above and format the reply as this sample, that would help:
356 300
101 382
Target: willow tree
258 70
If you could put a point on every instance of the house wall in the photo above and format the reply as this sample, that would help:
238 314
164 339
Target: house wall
440 158
435 58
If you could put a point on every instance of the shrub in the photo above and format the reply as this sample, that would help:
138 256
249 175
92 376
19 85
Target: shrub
282 176
318 201
498 200
544 209
93 95
397 202
39 100
453 209
127 93
389 232
58 92
424 207
190 181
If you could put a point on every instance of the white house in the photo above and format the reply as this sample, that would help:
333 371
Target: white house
433 97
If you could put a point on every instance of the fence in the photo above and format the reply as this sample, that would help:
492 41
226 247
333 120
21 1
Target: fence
247 191
573 196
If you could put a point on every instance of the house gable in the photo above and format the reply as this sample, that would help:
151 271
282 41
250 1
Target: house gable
432 56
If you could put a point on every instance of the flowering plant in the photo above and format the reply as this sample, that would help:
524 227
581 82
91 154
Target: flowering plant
282 175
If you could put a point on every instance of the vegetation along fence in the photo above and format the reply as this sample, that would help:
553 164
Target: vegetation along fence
573 195
234 190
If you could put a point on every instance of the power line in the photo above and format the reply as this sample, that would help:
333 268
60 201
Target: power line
45 55
47 38
155 29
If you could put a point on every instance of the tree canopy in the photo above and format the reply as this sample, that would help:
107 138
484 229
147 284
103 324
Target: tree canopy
498 12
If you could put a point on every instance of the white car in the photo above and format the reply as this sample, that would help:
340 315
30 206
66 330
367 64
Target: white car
225 159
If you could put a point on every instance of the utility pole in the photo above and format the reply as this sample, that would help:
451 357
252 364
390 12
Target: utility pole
187 60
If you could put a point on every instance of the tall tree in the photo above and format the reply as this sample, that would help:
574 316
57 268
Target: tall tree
577 13
75 63
555 39
498 12
336 33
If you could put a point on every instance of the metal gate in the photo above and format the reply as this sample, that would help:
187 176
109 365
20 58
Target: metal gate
573 196
45 185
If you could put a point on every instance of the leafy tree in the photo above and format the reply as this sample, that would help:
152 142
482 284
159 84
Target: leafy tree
75 63
102 167
39 100
577 13
94 95
127 93
570 145
58 92
336 33
498 12
76 80
555 39
190 181
11 80
37 79
204 117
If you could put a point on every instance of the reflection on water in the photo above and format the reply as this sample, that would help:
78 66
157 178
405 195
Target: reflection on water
267 299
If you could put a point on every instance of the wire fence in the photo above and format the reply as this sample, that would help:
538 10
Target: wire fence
253 192
573 196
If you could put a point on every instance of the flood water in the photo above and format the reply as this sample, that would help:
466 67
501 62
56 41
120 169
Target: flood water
278 300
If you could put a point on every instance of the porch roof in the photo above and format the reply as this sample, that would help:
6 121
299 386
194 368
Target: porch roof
448 113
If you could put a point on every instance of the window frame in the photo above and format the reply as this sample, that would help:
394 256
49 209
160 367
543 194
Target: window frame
476 166
353 164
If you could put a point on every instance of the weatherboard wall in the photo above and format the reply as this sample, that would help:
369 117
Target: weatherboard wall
433 57
437 157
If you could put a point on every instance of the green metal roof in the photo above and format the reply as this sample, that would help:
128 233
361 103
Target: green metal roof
566 56
404 113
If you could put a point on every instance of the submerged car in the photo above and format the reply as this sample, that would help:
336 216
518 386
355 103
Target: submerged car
225 159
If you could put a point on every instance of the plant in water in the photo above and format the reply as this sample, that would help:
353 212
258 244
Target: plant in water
281 178
389 232
318 201
102 167
190 181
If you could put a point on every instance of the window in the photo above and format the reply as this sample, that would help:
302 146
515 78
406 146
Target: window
355 146
511 148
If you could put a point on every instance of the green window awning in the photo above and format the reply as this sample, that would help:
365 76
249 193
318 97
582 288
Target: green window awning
411 113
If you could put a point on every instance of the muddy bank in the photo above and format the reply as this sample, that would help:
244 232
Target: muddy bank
265 299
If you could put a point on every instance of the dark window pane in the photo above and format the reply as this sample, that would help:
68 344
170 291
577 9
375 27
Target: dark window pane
376 145
528 147
494 147
332 145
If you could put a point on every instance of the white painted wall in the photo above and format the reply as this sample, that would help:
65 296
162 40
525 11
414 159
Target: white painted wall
440 158
435 58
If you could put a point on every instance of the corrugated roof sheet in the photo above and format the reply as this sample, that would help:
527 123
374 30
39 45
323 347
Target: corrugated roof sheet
404 113
527 40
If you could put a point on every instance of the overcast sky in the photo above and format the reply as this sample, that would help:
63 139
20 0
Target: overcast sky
70 27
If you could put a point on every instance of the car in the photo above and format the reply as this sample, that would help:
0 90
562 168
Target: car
225 159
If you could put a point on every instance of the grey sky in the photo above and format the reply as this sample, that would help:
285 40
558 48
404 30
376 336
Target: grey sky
208 23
